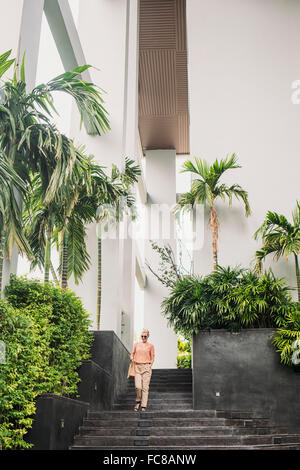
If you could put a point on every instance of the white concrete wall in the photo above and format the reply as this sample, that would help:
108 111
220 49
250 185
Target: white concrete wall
243 56
108 34
20 31
161 186
11 14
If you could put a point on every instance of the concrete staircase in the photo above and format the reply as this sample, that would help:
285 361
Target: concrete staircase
171 423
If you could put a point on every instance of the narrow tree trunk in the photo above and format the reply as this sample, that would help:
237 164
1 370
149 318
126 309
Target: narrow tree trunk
2 240
297 275
64 269
47 255
99 290
53 272
214 224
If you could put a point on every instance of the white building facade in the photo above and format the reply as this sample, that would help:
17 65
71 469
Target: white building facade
181 78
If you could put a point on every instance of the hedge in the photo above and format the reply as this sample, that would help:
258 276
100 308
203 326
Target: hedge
45 330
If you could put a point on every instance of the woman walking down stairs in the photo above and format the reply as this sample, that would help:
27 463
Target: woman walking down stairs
170 422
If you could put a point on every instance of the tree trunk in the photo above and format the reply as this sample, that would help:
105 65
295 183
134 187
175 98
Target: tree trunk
99 279
47 255
2 242
297 275
53 272
64 269
214 224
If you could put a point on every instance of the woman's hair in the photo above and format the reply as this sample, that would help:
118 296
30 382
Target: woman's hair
146 331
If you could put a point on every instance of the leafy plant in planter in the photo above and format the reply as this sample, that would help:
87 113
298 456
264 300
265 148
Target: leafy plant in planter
26 334
70 339
280 238
285 337
231 298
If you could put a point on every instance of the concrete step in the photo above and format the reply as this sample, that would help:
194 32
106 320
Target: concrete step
219 440
158 400
192 422
160 395
104 431
153 414
207 431
167 388
200 414
241 447
171 371
186 441
157 406
109 423
111 441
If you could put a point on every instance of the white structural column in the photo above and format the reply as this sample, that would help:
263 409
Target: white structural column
108 35
241 66
130 143
20 31
161 186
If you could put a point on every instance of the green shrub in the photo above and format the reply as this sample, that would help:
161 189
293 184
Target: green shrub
230 298
70 339
23 373
184 360
285 336
45 330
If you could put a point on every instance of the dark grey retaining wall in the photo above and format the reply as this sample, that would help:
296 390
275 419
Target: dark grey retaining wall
57 418
105 375
245 370
112 357
56 421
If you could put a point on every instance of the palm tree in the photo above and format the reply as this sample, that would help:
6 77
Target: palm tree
47 222
206 188
31 144
280 237
123 181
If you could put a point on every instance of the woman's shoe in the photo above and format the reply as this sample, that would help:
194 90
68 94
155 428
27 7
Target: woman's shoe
143 409
137 406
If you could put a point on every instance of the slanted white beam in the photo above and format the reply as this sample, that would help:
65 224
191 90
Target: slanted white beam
29 41
66 37
139 269
141 181
65 34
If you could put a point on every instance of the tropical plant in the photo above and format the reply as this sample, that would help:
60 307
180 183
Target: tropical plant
206 189
113 206
23 372
169 271
45 330
184 355
285 337
231 298
68 323
280 238
32 145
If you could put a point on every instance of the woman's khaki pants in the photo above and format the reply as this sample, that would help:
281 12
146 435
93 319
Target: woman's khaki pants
142 379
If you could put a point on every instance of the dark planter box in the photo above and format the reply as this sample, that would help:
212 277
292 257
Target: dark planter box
245 370
102 378
56 421
110 354
95 386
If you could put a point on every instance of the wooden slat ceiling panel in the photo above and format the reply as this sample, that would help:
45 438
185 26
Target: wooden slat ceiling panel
163 78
